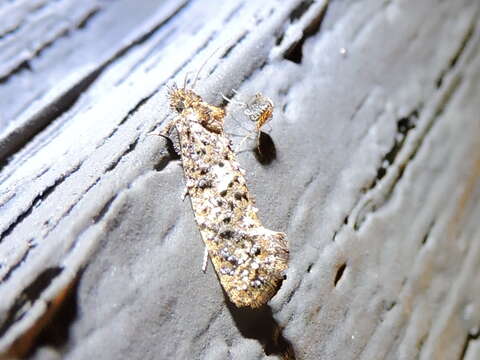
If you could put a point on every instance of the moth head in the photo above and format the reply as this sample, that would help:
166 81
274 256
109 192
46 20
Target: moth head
181 99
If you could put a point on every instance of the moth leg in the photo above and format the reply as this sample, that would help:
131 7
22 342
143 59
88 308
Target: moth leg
173 141
249 136
232 101
184 193
205 260
258 141
165 132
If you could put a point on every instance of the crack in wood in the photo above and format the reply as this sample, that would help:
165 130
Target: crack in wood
42 196
30 294
155 49
210 322
88 18
295 14
428 232
360 105
300 10
35 9
128 150
51 327
338 276
404 125
25 63
229 49
234 12
16 140
469 338
103 211
294 52
16 265
371 203
358 32
10 31
467 37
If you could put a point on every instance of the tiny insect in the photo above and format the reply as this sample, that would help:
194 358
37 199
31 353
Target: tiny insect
259 110
250 260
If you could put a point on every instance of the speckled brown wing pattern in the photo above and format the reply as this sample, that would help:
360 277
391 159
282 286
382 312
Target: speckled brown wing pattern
249 259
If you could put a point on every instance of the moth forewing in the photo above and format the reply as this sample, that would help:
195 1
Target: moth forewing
249 259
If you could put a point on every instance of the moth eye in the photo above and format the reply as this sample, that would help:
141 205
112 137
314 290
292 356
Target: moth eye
179 107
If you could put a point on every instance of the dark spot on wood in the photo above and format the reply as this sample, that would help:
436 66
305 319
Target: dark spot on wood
340 272
334 236
427 233
389 305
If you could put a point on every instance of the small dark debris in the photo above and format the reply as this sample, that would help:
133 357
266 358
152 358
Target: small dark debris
339 274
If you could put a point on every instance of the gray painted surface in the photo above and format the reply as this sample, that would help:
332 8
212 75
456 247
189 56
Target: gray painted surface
376 178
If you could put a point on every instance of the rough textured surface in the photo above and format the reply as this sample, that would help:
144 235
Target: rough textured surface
376 178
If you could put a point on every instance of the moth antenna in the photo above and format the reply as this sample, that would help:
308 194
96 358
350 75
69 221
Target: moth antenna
185 80
240 125
203 65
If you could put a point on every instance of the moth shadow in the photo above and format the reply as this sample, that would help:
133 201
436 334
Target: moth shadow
172 143
260 325
265 151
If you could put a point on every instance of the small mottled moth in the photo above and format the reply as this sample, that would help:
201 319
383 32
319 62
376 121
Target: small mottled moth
250 260
259 110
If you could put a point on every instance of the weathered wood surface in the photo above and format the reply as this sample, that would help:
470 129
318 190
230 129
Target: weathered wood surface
376 179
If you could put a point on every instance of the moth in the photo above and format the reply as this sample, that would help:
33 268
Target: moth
259 110
249 259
